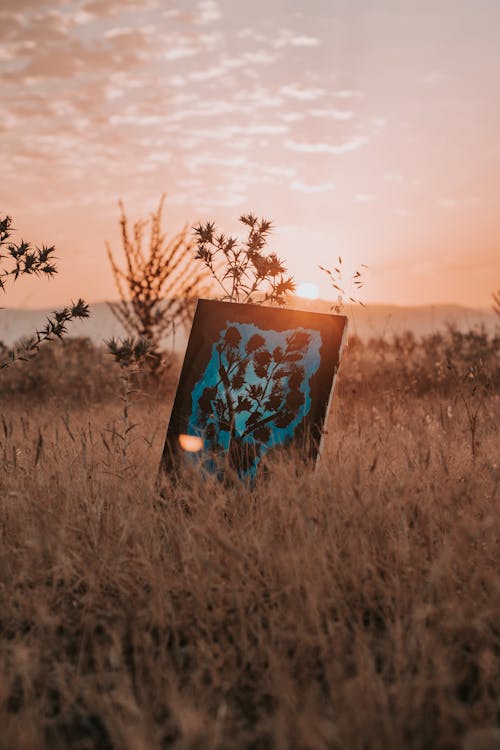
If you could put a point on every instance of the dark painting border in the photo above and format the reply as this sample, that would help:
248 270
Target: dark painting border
210 317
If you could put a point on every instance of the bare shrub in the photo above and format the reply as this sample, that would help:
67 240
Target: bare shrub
158 286
496 301
76 371
446 363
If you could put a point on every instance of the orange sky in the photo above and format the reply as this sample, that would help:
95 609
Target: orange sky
363 129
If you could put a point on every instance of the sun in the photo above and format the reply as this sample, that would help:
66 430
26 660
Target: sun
307 290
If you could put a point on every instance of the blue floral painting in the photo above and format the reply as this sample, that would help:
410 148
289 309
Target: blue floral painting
256 381
253 393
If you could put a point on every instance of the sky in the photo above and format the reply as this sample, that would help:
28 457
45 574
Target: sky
366 129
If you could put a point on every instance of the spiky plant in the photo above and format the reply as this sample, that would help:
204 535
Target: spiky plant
241 269
23 259
131 355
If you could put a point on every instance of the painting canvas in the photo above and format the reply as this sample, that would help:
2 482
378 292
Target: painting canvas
255 379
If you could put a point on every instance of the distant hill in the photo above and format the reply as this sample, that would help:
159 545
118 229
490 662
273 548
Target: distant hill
15 323
387 320
372 320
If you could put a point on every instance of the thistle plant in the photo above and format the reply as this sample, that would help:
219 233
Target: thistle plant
55 328
347 289
130 354
241 269
22 259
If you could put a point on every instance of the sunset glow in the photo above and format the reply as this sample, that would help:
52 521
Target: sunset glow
366 130
308 290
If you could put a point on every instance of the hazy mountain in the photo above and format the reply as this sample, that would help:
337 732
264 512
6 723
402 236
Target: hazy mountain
15 323
387 320
372 320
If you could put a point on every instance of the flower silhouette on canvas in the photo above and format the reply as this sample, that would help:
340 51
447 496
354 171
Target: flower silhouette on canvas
254 392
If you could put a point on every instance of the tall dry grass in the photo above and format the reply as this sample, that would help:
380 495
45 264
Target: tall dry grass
355 608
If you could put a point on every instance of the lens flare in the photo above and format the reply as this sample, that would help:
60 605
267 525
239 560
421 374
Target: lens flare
190 443
308 290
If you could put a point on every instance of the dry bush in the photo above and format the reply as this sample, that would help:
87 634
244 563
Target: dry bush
449 363
158 286
496 301
357 607
445 362
76 371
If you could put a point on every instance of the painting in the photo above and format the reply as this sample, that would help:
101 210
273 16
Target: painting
254 380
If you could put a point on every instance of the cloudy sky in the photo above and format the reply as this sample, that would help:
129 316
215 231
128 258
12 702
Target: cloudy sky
363 128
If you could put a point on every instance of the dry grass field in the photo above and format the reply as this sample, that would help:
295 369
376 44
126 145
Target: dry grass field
354 608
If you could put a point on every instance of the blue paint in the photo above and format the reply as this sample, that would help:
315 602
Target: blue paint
308 360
